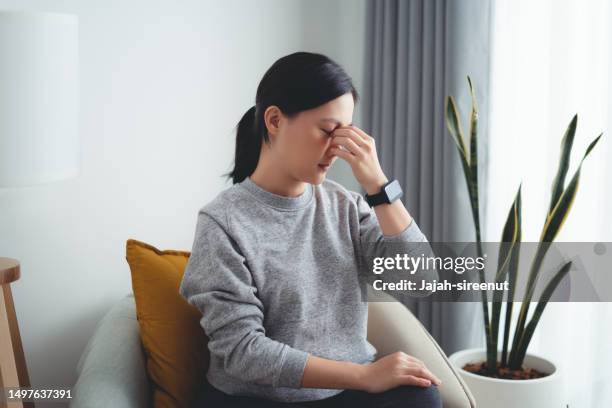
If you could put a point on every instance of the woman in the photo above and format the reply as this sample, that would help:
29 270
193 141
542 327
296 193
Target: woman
274 262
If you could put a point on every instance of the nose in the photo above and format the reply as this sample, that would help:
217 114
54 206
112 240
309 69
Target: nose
330 158
328 152
328 145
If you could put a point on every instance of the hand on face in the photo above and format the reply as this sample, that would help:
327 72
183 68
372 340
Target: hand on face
360 153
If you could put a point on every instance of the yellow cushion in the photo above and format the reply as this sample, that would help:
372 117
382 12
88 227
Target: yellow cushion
174 342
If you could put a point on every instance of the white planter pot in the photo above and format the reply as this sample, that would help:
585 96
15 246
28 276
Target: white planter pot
545 392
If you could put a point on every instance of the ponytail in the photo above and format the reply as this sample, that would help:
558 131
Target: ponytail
248 146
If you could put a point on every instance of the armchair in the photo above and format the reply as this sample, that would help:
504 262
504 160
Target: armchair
112 369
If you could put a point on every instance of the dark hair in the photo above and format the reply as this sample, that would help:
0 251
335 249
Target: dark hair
295 82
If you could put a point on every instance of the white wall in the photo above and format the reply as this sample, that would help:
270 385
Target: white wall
163 83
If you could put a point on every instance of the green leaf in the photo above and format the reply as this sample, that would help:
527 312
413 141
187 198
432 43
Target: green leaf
512 273
559 213
510 234
454 125
511 227
473 160
537 314
566 150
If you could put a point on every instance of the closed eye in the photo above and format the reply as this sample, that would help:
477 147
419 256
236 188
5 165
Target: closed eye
326 132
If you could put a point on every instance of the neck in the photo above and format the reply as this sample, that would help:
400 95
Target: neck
277 181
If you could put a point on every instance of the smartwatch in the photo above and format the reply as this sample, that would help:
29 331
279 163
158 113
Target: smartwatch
389 192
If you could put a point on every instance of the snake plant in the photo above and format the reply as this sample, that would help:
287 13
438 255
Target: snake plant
561 201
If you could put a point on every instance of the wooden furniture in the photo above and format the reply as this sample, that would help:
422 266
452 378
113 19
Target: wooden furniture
13 370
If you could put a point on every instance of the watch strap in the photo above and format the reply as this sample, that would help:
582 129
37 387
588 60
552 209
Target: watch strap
376 199
380 197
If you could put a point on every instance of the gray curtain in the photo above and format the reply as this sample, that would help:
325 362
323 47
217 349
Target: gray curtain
418 52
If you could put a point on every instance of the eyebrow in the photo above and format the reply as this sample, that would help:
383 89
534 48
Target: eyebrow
333 120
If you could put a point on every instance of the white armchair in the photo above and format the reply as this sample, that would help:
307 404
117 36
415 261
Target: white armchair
112 371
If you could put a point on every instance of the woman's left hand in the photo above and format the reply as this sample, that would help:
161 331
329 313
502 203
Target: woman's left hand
361 155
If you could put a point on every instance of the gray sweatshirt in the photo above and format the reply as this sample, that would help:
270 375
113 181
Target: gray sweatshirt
276 279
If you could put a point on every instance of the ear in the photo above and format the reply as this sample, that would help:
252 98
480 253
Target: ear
273 117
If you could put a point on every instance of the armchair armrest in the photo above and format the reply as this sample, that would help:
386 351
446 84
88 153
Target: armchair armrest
111 371
392 327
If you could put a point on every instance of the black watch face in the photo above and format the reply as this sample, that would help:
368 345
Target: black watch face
393 190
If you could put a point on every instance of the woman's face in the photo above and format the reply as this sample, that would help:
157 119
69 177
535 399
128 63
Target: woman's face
301 145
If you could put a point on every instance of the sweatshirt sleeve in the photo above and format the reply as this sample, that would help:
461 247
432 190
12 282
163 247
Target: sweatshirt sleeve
371 232
374 243
218 282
